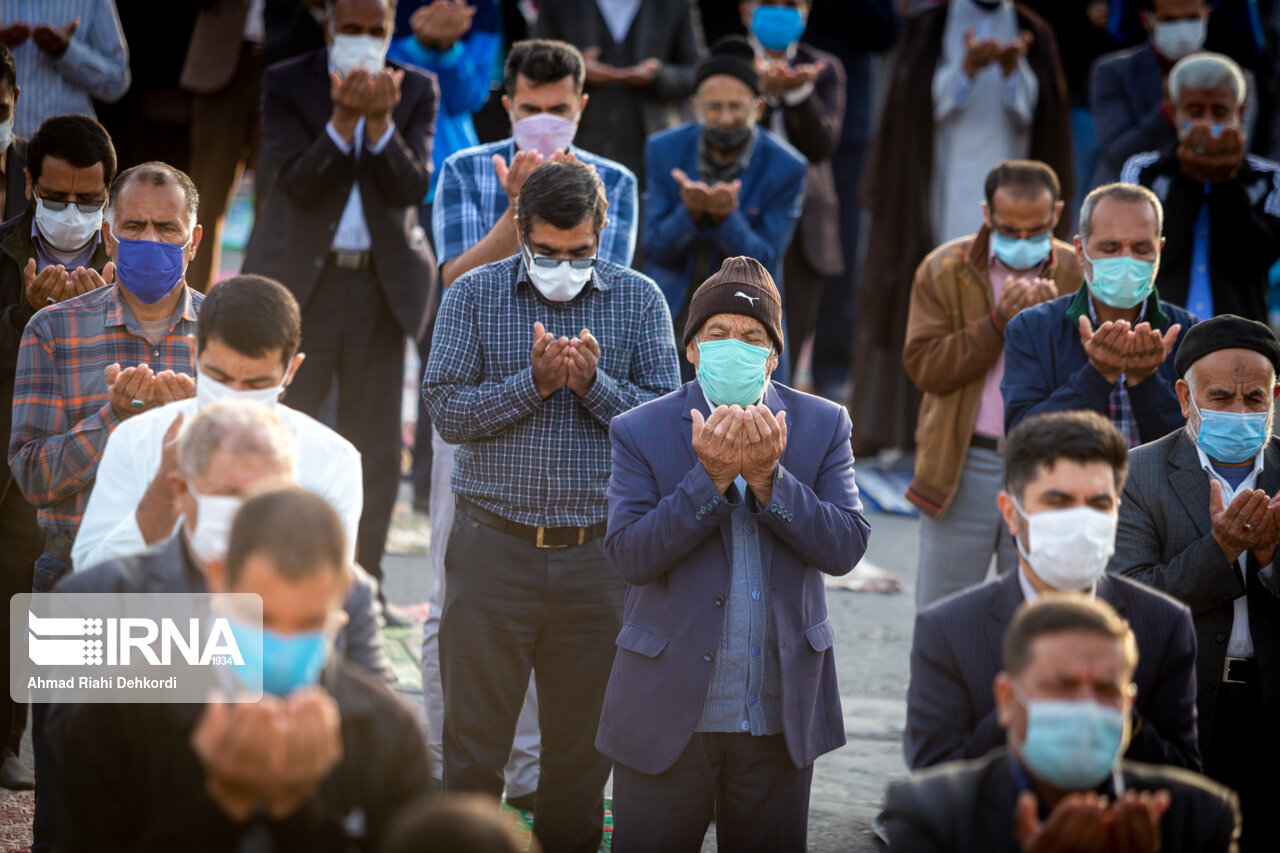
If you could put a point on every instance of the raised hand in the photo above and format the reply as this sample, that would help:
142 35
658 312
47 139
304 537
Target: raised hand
125 386
54 40
584 356
1107 347
1076 825
1133 821
695 195
1146 350
978 53
512 177
47 286
597 72
722 200
717 443
549 359
81 280
640 74
349 95
1239 526
1010 53
764 438
306 753
12 35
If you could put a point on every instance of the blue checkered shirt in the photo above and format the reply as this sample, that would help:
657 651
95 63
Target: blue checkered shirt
535 461
469 201
1119 406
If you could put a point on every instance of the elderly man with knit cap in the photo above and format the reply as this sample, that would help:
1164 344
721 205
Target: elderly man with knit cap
1200 520
729 499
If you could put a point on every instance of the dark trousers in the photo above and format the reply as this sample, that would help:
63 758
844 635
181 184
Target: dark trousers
224 140
747 784
1238 732
48 571
21 543
348 332
421 472
833 328
510 608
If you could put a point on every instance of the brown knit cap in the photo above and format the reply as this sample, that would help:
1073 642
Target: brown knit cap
742 286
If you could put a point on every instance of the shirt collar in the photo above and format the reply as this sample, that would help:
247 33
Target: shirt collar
1207 466
1029 593
1093 311
597 281
119 313
44 251
790 53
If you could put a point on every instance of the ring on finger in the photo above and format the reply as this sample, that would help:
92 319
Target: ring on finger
137 405
1248 526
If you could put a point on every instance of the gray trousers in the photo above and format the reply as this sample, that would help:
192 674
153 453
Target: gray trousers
956 550
522 769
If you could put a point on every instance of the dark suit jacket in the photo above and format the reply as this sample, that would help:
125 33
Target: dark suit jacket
315 178
956 653
662 29
15 179
813 129
214 50
967 807
1166 541
670 537
1124 96
1244 229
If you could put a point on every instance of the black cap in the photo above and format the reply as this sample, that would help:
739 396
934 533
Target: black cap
741 286
1226 331
732 55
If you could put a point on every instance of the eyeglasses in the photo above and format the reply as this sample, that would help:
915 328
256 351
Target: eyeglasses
59 206
546 263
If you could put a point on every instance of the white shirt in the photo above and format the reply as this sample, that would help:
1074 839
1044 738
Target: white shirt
1029 593
324 463
1241 643
977 122
352 234
618 16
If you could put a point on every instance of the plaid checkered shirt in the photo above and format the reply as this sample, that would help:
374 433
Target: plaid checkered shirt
470 199
62 412
530 460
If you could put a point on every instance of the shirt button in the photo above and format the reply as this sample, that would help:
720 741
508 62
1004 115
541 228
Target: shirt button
1221 638
317 263
755 651
746 726
719 601
708 656
751 528
755 595
751 700
155 353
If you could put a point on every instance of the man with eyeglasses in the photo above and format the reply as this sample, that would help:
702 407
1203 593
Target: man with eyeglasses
51 252
532 357
964 294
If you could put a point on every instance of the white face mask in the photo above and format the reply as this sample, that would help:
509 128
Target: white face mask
214 515
210 391
1068 548
560 283
348 53
544 133
68 229
1176 39
6 134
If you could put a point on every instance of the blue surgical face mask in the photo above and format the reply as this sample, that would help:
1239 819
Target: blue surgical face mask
777 27
149 269
1071 745
731 371
1021 254
288 661
1121 282
1231 437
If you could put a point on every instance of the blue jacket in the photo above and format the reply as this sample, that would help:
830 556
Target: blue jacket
956 653
769 205
670 538
1046 369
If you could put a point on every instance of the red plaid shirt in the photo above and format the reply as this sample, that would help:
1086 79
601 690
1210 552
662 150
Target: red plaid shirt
62 413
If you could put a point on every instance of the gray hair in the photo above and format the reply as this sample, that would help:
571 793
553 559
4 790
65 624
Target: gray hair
240 427
1119 192
1207 71
157 174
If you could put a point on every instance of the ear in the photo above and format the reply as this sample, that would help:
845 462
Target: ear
1057 214
582 104
17 90
294 364
506 105
196 234
1002 688
1148 22
1183 390
744 12
760 105
771 365
986 216
27 174
1004 501
177 488
1079 247
691 352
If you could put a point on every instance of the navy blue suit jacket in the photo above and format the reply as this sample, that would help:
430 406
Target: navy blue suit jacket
956 653
1125 93
769 205
670 537
1046 368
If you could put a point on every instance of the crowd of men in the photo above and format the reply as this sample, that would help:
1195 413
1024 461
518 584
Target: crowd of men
617 244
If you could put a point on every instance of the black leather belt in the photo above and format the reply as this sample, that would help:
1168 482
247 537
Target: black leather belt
58 547
986 442
542 537
350 260
1240 670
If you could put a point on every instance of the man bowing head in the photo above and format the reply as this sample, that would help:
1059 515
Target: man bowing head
728 500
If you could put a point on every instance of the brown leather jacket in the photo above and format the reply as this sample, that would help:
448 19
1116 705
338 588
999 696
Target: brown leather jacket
952 341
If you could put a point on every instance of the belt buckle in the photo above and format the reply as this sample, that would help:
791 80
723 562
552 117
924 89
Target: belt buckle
1226 671
348 260
582 534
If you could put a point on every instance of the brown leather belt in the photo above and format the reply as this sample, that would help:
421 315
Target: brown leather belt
986 442
1240 670
350 260
542 537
